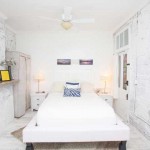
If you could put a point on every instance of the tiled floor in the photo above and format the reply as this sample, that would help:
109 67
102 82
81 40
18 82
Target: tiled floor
8 142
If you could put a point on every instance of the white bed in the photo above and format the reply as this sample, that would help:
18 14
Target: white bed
75 112
75 119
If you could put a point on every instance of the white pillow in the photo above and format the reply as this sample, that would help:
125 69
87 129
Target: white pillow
71 86
87 87
57 87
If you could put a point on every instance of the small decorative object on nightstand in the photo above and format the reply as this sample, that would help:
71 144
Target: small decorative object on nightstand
106 97
37 99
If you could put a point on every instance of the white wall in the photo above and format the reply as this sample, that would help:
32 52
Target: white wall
139 80
6 91
2 41
46 47
140 71
10 39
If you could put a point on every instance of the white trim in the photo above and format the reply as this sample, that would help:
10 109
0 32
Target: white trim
124 48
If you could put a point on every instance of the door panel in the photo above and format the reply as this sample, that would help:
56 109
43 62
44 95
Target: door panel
21 88
122 104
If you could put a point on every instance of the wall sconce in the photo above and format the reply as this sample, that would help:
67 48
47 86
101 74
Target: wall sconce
39 77
66 24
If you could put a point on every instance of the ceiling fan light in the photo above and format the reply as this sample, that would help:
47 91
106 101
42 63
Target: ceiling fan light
66 25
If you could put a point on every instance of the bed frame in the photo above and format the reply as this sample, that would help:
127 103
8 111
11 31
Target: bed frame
34 134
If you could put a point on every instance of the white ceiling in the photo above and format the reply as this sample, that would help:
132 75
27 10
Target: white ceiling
23 14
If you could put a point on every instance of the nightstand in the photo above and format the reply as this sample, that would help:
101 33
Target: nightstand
107 97
37 99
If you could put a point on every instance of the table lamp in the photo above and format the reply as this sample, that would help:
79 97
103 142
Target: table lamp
105 78
39 77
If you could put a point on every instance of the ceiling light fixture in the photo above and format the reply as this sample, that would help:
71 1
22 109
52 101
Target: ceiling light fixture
66 25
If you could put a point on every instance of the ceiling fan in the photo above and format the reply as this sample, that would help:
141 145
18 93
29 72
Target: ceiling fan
67 20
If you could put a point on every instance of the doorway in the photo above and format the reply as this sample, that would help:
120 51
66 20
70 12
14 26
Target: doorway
122 104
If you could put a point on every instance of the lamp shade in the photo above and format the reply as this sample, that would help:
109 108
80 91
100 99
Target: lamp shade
104 77
66 25
39 77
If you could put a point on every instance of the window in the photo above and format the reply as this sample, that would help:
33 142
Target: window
125 71
122 39
117 42
126 37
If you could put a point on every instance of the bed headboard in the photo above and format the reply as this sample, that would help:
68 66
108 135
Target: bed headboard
74 75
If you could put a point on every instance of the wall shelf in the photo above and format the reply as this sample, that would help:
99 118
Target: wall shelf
5 83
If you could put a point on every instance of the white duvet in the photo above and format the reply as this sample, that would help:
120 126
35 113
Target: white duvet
89 109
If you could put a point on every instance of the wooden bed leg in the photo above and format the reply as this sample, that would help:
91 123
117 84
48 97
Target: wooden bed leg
122 145
29 146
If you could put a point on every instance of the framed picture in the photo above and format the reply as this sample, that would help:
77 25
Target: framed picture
86 61
4 75
63 61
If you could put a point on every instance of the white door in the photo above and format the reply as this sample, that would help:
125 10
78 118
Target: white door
123 86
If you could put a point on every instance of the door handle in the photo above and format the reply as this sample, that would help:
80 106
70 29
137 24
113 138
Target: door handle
127 83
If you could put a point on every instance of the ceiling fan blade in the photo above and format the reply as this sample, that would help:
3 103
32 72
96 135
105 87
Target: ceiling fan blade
66 16
86 20
50 19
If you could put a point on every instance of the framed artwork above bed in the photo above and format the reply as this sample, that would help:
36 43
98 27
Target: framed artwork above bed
63 61
86 61
75 61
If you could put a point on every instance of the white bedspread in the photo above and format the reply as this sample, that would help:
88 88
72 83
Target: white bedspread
59 111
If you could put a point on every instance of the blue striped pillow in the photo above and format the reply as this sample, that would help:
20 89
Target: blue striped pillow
70 92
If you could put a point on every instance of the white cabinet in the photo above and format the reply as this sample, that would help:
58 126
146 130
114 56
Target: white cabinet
108 98
20 71
37 99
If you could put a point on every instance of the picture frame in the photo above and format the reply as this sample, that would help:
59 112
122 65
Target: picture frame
4 75
86 61
63 61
